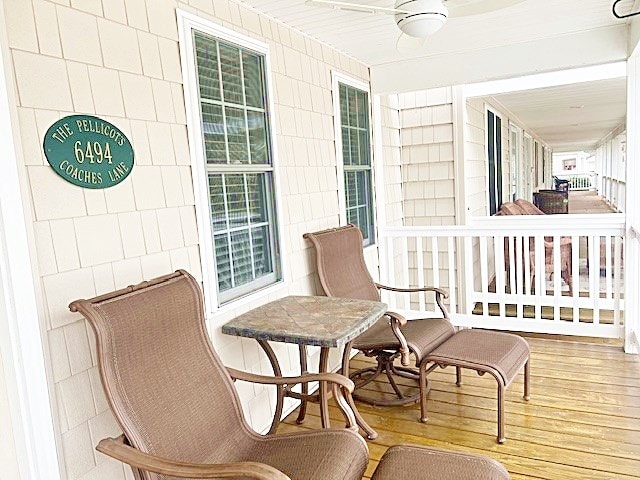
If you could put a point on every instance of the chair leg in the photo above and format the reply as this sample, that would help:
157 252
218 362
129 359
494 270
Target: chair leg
527 380
501 437
423 392
458 376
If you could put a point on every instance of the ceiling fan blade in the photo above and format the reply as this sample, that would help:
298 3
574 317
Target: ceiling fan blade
463 8
354 7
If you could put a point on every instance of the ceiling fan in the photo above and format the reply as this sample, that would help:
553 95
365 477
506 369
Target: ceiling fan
420 18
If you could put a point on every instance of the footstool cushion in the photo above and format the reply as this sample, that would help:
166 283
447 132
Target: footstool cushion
500 354
504 352
406 462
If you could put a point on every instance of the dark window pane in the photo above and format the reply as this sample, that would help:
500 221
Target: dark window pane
223 266
231 75
242 261
257 137
363 143
256 192
216 199
236 135
213 132
344 105
346 147
253 80
363 109
236 200
261 251
354 154
207 65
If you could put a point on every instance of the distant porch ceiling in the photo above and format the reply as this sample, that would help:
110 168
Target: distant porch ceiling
571 117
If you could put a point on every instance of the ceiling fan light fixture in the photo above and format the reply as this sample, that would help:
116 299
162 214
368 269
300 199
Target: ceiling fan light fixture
421 18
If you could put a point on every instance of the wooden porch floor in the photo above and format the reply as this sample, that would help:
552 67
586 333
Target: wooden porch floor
588 202
582 422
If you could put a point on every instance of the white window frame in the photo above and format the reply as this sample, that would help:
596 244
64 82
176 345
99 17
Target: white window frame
187 23
337 78
488 108
516 163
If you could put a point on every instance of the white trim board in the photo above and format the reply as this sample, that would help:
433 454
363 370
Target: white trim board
20 337
549 79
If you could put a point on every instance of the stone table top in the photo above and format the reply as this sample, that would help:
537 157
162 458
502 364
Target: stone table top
319 321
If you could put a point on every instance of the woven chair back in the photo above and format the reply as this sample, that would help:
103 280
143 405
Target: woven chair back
166 386
341 266
528 207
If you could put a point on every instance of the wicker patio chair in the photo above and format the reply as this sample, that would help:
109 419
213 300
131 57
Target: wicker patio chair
176 402
524 207
343 273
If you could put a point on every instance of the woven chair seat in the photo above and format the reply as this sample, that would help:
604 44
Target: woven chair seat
406 462
422 336
329 454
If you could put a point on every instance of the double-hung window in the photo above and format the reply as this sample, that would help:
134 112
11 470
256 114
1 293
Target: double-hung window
234 144
353 146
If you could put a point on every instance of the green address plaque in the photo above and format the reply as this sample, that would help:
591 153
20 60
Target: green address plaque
88 151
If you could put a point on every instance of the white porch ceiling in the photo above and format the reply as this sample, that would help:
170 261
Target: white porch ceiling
372 38
571 117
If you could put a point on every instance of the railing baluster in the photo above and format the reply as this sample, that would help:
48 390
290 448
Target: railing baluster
420 262
617 259
594 277
511 265
484 274
520 261
557 277
435 261
608 270
575 276
540 275
498 255
391 271
453 287
469 275
405 272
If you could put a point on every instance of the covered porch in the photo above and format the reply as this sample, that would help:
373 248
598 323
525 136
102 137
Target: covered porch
254 122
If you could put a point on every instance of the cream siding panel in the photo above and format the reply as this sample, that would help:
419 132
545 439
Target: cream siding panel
21 27
42 81
115 10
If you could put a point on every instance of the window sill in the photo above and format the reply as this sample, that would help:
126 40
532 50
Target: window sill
248 299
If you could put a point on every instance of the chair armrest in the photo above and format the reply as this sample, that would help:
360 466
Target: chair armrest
118 449
396 320
341 386
335 378
440 294
437 290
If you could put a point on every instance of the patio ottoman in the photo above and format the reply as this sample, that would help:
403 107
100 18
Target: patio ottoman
500 354
406 462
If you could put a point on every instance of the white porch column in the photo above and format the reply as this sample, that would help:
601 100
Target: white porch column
27 395
632 250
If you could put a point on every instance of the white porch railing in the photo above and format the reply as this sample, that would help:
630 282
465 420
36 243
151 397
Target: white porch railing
614 192
506 272
579 181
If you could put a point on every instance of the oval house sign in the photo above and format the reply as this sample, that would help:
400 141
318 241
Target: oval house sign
88 151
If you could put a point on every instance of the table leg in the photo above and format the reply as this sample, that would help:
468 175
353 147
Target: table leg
371 433
280 390
302 349
322 388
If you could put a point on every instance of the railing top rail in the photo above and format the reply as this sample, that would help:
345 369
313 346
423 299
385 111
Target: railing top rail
548 225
